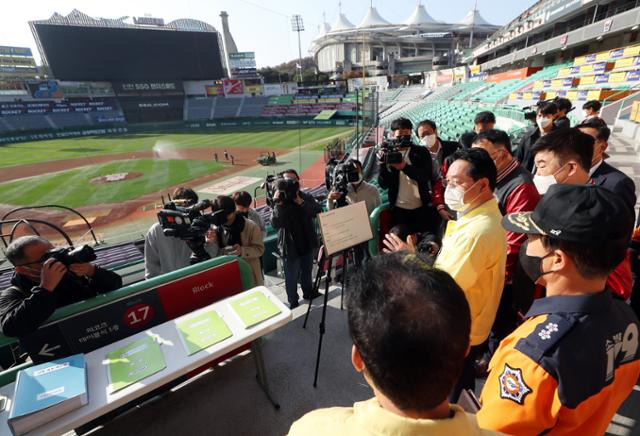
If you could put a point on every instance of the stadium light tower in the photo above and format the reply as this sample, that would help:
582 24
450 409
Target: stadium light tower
298 26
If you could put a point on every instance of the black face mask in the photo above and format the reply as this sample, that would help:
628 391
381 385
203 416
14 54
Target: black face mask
244 214
532 265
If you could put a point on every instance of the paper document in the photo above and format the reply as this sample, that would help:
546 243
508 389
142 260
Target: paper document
345 227
202 331
134 362
254 308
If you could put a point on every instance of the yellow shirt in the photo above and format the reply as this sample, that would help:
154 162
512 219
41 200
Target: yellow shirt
474 253
368 418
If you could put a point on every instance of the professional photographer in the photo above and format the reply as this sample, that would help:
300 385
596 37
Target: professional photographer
162 253
348 186
292 214
46 279
238 236
405 170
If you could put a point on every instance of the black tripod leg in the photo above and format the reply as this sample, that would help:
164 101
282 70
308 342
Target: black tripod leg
316 287
345 266
324 317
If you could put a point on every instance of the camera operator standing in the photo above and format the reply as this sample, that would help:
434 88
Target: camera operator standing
163 254
46 279
292 214
351 192
405 170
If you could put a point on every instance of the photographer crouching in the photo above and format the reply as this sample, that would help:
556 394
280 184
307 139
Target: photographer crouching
349 187
414 191
292 214
47 278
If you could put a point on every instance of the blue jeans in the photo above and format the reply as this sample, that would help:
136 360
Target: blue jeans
298 270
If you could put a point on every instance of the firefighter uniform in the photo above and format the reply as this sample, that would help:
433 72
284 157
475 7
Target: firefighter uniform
565 370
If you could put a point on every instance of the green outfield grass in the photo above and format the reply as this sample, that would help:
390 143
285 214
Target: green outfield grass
263 138
72 188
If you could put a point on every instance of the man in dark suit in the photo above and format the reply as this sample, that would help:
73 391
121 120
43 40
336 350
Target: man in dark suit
601 172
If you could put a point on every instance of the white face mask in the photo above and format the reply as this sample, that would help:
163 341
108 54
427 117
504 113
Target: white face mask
543 183
543 123
454 198
429 140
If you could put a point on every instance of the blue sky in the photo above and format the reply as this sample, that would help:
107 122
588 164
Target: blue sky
262 26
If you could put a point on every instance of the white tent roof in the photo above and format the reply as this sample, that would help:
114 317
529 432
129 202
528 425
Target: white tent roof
342 23
373 19
473 18
419 16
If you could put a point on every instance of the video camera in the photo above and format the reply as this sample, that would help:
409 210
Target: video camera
288 190
391 153
343 174
70 255
190 224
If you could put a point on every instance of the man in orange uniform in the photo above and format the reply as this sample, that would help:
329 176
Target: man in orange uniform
575 359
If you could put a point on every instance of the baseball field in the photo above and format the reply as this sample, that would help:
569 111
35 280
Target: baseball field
114 178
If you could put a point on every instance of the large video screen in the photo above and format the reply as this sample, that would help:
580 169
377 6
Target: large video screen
94 54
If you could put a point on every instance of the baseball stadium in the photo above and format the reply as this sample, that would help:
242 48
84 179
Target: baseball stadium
112 115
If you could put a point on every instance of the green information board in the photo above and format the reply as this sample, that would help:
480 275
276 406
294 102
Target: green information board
254 308
134 362
202 331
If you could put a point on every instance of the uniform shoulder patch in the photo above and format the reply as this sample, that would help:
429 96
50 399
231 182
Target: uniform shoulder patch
512 385
545 336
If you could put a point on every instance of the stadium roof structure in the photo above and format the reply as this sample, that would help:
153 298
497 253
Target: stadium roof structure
419 21
419 17
372 19
78 18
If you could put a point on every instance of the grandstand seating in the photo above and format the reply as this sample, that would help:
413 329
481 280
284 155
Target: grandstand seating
252 106
226 107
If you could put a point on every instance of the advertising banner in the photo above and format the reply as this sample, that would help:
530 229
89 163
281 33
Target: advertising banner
45 89
214 90
272 89
242 63
15 51
233 87
253 89
142 87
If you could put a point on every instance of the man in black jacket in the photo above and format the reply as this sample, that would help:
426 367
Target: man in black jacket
427 132
546 114
297 239
39 287
601 172
410 183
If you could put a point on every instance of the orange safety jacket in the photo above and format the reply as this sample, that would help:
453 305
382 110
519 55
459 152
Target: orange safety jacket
565 370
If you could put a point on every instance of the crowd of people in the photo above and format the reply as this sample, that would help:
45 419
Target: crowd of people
510 262
531 287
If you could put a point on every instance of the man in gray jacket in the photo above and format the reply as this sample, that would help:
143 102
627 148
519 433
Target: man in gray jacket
163 254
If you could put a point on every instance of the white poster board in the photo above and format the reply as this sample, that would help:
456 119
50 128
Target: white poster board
345 227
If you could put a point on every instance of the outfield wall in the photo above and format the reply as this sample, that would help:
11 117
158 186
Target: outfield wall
170 126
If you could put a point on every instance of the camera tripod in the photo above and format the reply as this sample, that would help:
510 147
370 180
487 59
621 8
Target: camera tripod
344 255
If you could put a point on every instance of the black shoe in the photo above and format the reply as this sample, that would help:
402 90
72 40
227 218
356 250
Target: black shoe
312 296
293 305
